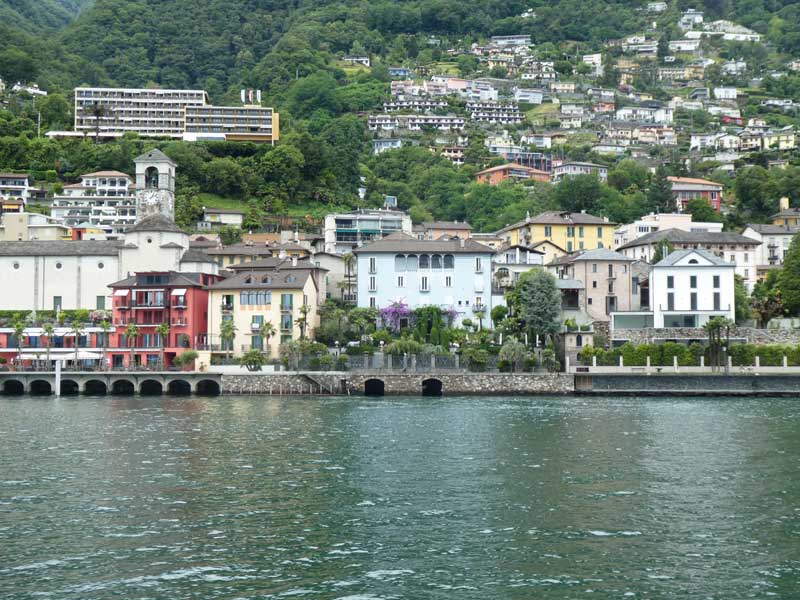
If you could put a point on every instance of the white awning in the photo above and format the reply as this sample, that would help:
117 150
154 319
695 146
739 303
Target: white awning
179 292
121 292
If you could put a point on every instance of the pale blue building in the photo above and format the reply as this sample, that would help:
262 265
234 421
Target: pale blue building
448 273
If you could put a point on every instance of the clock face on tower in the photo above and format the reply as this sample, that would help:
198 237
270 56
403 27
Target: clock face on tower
154 202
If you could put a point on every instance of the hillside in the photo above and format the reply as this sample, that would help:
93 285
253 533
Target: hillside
35 16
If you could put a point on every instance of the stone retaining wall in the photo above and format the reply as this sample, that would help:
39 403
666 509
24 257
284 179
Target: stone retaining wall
453 382
751 334
689 385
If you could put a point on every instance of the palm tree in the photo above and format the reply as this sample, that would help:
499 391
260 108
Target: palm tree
49 331
163 332
349 263
97 111
227 333
131 333
19 331
105 327
266 331
77 331
302 322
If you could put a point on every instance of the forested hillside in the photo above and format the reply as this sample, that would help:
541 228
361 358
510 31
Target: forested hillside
40 15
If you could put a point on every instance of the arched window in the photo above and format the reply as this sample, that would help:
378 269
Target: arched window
243 298
266 279
411 262
449 261
248 279
579 341
693 261
252 297
424 261
399 263
436 261
260 296
151 178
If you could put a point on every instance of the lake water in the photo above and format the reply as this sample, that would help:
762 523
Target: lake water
497 498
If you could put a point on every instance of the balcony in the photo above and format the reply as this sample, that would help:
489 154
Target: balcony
227 307
286 308
255 326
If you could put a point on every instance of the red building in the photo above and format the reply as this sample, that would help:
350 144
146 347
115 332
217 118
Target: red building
689 188
69 343
516 171
150 299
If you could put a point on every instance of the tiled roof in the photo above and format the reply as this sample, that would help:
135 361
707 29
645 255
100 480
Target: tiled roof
156 223
196 256
770 229
555 217
107 174
401 242
678 255
690 237
57 248
176 278
447 225
268 280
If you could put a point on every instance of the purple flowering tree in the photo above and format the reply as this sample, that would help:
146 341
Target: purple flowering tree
394 314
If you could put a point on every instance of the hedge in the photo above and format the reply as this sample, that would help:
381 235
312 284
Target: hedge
661 355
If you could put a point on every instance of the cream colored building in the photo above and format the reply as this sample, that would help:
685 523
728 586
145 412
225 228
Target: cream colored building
32 226
252 297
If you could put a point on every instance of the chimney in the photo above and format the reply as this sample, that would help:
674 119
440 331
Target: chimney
294 261
783 203
462 243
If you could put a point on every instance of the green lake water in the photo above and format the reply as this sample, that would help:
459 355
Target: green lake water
399 498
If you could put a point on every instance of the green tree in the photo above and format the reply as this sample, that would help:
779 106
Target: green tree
788 283
539 302
266 330
131 333
49 332
741 300
752 192
663 250
716 328
499 313
162 330
227 334
581 192
513 352
17 65
702 211
230 234
253 360
659 195
19 334
105 327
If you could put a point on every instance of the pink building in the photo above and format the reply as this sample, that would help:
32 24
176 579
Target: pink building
150 299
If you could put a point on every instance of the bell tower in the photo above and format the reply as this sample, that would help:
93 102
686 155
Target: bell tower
155 185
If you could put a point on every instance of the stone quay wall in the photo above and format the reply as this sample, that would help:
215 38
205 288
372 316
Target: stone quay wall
688 385
751 334
452 382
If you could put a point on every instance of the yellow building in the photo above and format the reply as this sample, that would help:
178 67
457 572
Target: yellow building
252 297
786 216
569 231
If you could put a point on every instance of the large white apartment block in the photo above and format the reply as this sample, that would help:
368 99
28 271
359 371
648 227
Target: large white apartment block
104 199
775 241
571 169
453 274
184 114
345 231
15 186
645 114
415 122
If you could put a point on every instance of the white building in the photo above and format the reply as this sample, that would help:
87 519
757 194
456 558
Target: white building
646 114
103 199
687 289
684 45
690 18
528 95
734 67
15 186
220 217
570 169
733 248
725 93
449 273
658 222
345 231
381 145
775 241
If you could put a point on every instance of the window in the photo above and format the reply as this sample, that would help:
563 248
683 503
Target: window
286 322
16 266
257 342
670 281
746 273
610 270
670 301
569 246
594 267
570 232
610 287
411 262
399 263
373 264
478 301
716 281
594 284
287 301
449 261
373 284
478 264
693 300
436 261
580 245
448 281
372 303
100 266
58 266
401 281
693 281
101 303
423 283
599 234
716 301
746 257
57 303
548 231
580 231
424 261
